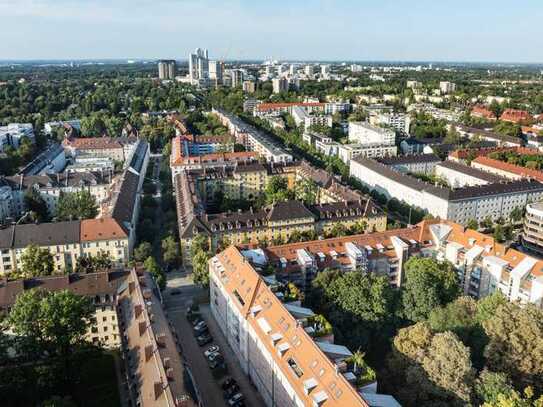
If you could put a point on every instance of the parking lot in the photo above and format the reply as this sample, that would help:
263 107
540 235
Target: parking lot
207 385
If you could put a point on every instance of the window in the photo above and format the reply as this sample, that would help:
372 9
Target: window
295 368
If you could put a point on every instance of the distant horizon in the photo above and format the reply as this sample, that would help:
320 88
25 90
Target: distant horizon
129 60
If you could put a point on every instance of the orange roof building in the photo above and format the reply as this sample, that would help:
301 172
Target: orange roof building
482 112
505 169
516 116
273 341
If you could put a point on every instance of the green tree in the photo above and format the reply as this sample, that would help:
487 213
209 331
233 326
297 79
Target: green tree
153 268
94 264
472 224
170 251
52 322
200 272
306 190
490 385
516 343
448 365
515 399
76 205
428 284
142 251
360 306
36 262
460 317
277 190
36 204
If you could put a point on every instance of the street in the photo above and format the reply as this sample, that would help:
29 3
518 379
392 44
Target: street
207 386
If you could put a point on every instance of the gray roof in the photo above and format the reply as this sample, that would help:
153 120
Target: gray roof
289 210
471 171
47 234
80 284
410 159
459 194
126 199
36 165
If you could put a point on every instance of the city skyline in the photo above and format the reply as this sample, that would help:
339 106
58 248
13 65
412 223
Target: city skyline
315 30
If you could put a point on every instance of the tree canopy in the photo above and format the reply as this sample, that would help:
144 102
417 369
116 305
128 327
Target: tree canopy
428 284
36 262
76 205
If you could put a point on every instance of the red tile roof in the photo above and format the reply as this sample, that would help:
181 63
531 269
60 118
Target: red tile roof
515 116
482 111
101 229
241 281
511 168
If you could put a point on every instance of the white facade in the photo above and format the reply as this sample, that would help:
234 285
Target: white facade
347 152
11 135
216 71
302 117
495 201
398 121
366 134
447 87
199 65
280 85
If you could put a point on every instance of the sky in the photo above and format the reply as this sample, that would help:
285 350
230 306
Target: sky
342 30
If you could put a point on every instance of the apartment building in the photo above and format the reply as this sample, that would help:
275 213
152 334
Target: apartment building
483 265
459 175
516 116
494 200
490 136
275 109
278 222
128 315
398 121
280 85
66 241
532 236
166 69
50 161
322 143
12 134
253 139
116 148
447 87
415 164
483 112
346 152
366 134
277 345
505 169
50 187
303 118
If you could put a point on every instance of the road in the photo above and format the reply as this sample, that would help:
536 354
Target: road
207 386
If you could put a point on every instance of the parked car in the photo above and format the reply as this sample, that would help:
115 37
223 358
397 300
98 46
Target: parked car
211 350
197 321
231 391
204 339
235 399
228 382
216 360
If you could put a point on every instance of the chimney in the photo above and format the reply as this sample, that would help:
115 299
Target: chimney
161 340
138 309
142 327
148 352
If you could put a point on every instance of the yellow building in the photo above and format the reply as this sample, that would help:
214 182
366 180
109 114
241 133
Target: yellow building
66 241
278 222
